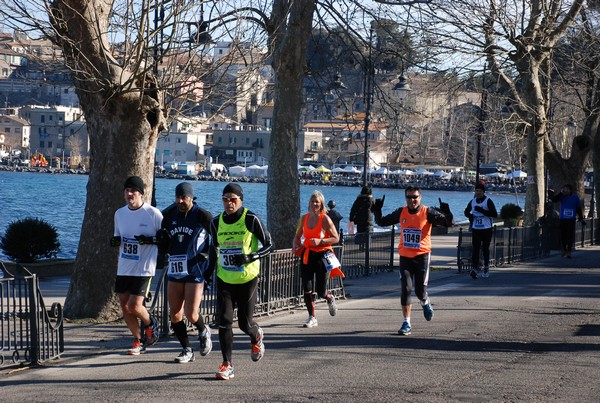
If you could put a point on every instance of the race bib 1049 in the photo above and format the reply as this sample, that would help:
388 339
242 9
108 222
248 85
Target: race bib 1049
411 238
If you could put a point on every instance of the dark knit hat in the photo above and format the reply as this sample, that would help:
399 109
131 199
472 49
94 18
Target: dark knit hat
480 186
365 190
235 189
331 204
135 182
184 189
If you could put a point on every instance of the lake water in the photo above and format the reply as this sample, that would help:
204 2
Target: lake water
59 199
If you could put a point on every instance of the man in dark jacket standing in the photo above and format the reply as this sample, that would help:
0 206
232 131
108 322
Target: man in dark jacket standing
361 215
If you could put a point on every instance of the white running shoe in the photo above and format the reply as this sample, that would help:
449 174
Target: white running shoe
332 306
311 322
206 342
225 371
258 349
186 355
137 348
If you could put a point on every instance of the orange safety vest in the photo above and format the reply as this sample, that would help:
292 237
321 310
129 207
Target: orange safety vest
415 233
316 232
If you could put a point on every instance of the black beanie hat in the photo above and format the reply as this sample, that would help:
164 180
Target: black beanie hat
184 189
235 189
135 182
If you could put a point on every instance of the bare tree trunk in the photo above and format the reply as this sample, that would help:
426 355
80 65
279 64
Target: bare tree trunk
534 209
571 170
291 23
596 166
115 156
124 118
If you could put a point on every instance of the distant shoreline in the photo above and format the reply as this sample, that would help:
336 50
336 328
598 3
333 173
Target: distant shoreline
425 183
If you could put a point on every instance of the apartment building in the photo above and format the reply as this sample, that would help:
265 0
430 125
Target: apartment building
14 134
58 131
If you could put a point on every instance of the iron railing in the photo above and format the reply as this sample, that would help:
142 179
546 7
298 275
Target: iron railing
29 332
515 244
279 289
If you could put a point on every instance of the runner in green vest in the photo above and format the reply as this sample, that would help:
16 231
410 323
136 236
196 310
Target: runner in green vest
239 241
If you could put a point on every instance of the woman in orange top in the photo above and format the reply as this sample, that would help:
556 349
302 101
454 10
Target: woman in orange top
315 234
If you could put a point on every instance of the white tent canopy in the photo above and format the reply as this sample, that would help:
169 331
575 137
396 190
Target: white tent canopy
423 171
351 169
517 174
237 170
306 169
442 175
379 171
254 171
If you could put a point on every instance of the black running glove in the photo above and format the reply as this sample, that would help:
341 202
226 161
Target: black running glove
241 259
145 240
445 208
115 241
378 204
479 209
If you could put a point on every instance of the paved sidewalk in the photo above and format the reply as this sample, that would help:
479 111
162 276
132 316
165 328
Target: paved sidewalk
88 339
528 333
82 339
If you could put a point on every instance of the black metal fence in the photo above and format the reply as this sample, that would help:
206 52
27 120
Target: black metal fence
279 289
515 244
29 332
280 286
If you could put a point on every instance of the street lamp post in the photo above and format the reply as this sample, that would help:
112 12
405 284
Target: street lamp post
481 130
401 88
369 76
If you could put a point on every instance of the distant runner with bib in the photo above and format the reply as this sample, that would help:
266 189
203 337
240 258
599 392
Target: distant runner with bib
570 211
414 248
187 225
481 212
236 234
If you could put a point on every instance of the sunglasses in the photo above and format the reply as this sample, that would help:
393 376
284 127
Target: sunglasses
413 197
230 199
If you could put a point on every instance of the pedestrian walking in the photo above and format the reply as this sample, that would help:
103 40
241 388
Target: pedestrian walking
414 248
570 210
315 233
235 252
361 216
481 212
188 226
335 216
137 233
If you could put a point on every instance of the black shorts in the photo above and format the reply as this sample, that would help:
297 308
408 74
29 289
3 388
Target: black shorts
134 285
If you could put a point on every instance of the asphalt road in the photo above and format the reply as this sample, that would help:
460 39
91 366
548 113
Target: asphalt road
528 333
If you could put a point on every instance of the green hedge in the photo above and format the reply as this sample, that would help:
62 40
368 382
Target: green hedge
30 239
